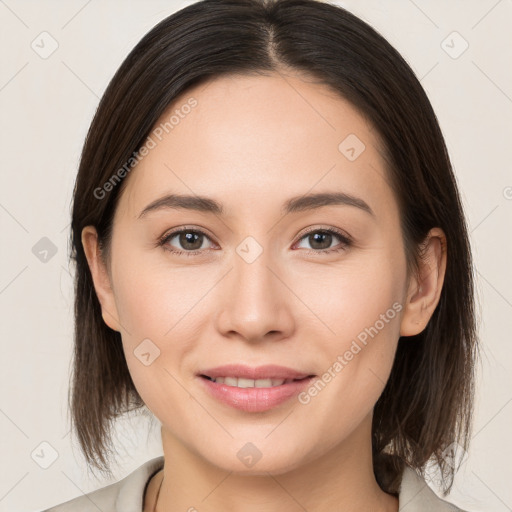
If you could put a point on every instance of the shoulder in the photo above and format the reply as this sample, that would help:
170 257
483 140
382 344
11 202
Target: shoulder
416 496
123 496
103 499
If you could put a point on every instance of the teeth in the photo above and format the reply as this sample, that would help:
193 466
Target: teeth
250 383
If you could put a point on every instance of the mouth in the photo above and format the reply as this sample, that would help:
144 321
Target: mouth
242 382
252 389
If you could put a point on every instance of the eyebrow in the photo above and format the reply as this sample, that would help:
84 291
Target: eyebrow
295 204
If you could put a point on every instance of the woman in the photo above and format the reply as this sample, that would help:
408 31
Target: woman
272 257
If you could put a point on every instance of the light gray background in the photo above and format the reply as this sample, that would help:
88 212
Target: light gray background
46 106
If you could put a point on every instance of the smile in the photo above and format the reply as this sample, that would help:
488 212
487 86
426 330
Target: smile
240 382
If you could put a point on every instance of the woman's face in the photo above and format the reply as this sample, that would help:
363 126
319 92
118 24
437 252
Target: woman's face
265 285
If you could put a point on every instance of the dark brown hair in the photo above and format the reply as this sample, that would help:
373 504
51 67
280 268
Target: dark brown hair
427 402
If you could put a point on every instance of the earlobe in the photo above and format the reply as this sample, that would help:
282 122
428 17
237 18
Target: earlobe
100 277
425 290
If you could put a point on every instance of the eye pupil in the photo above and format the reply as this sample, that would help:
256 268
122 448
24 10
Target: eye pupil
316 236
189 237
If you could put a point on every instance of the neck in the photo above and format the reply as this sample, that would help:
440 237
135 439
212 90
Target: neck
341 479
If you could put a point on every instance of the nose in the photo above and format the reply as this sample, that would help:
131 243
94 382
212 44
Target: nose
255 303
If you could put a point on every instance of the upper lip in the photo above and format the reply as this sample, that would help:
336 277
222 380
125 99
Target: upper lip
270 371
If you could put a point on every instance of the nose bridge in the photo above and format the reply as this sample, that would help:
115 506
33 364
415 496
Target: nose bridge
255 298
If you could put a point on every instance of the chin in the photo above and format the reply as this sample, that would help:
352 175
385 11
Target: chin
247 459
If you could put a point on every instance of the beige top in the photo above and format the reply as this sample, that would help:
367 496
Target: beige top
127 495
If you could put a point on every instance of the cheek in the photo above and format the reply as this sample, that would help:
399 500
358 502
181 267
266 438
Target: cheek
352 295
159 309
154 299
359 306
167 306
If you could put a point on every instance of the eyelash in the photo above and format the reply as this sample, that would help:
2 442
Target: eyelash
345 241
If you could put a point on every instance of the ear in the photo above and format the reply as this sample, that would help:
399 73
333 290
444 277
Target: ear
100 277
424 291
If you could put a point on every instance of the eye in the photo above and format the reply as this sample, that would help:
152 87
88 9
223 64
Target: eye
191 240
320 240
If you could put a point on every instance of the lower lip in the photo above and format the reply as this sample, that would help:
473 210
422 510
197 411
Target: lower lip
255 399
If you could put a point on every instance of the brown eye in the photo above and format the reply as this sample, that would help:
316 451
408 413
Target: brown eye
188 241
320 240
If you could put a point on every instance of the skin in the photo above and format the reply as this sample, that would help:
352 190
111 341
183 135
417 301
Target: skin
251 143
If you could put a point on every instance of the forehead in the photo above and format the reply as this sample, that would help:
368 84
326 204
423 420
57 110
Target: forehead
249 140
